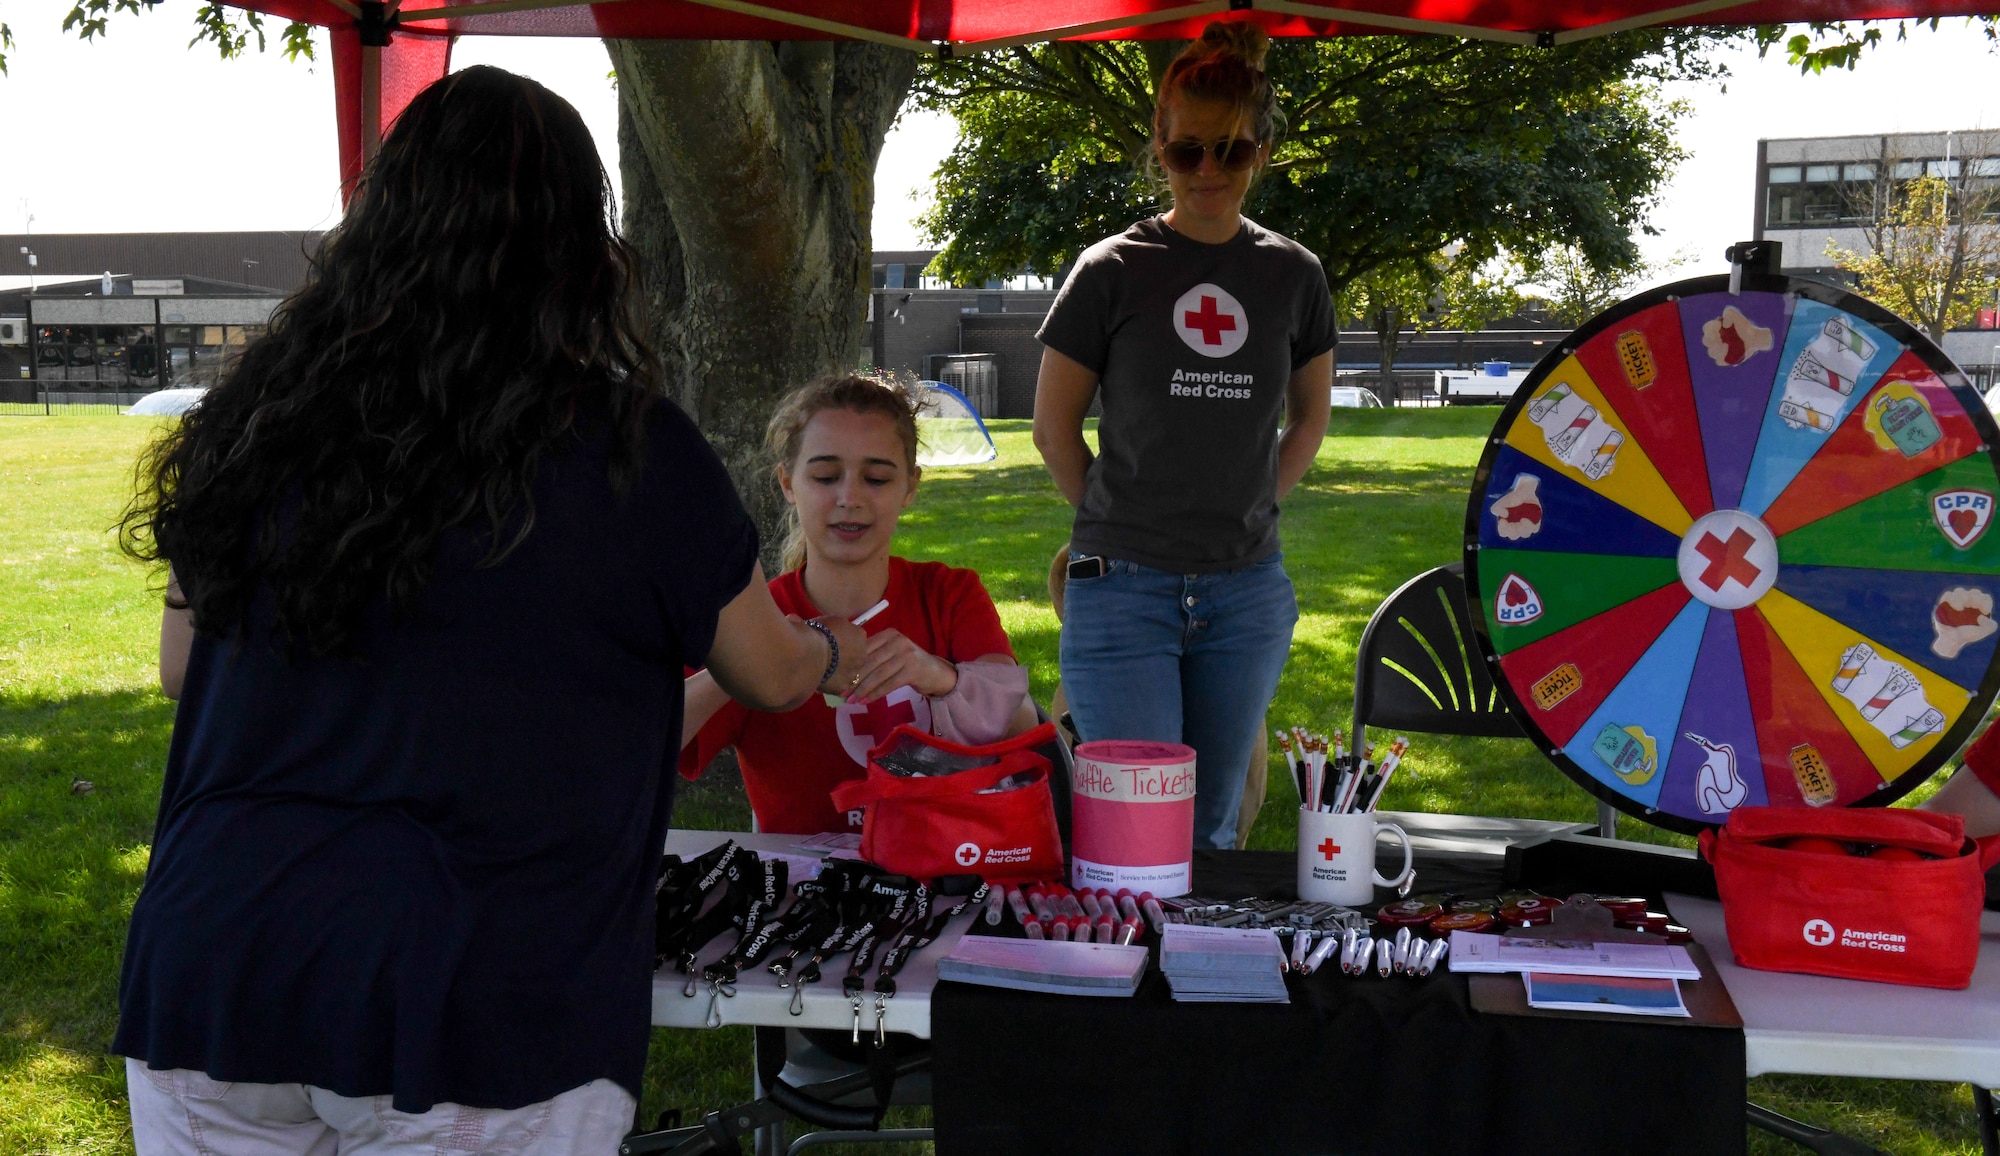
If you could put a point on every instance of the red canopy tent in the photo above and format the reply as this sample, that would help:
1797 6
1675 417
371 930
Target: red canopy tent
384 53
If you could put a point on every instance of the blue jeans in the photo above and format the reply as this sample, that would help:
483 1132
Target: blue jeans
1181 658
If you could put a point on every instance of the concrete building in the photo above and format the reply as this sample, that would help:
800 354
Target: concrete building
1813 193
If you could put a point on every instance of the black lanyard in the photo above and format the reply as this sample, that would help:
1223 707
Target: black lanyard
914 939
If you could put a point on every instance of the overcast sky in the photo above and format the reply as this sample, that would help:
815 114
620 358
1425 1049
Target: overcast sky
138 132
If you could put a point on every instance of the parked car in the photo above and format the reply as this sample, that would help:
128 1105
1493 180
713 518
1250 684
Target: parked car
166 403
1355 397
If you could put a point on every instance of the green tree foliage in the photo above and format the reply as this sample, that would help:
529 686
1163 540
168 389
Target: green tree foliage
1933 253
1574 290
1434 292
1398 148
1839 44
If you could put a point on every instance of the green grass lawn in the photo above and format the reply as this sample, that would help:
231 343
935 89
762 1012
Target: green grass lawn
79 701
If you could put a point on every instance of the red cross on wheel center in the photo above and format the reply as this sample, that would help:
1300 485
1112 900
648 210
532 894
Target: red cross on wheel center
1212 322
1729 560
1329 848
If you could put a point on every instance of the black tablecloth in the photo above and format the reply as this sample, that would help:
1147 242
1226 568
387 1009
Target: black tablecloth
1351 1065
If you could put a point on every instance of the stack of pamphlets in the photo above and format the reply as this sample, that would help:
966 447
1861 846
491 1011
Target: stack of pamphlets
1627 995
1223 964
1471 951
1571 975
1057 967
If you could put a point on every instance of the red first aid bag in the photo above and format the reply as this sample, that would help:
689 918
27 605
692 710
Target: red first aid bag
1912 922
953 821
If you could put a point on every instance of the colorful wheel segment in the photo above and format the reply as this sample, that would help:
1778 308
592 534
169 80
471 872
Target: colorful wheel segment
1732 549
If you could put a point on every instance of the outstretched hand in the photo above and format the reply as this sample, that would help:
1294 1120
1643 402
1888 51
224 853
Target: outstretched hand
893 661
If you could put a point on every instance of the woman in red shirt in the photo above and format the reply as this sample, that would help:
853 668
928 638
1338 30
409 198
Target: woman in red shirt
937 656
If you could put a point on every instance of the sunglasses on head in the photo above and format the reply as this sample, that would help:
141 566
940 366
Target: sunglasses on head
1232 155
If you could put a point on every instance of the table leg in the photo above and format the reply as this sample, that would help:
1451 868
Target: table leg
1989 1125
1806 1135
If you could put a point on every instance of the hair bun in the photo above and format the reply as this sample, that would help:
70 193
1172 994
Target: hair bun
1239 38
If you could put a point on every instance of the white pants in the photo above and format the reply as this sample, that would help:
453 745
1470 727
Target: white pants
183 1113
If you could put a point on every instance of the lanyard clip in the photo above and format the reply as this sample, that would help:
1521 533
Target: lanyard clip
854 1002
881 1016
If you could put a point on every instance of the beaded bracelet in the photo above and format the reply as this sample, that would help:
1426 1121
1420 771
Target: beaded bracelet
832 649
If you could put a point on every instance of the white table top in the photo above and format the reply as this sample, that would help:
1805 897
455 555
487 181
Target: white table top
1812 1025
760 1001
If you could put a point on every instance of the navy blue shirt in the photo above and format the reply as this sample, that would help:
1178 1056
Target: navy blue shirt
427 872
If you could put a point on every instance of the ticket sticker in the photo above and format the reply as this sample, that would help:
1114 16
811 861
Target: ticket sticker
1814 779
1635 357
1557 685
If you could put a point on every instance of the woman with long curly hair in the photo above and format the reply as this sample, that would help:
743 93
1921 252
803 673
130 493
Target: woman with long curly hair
439 551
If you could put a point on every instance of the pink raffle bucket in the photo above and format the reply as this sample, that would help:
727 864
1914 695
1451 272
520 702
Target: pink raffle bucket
1132 808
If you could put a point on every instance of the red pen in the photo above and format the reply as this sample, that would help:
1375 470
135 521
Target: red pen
1107 929
1059 930
1019 902
1155 915
1130 931
1128 906
1079 929
1044 910
1067 904
1090 907
1033 927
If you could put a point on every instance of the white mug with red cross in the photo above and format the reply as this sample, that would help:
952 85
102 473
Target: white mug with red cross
1337 858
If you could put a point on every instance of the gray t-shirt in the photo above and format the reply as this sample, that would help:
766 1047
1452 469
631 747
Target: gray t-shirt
1194 346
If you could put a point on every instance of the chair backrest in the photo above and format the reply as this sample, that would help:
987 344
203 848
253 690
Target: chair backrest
1060 777
1417 669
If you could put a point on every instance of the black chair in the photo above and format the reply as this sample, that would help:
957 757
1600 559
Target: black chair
1418 670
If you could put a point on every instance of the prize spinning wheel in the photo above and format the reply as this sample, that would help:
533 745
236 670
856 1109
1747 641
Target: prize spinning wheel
1733 549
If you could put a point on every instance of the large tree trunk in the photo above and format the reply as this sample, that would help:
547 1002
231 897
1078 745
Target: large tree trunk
748 176
1388 333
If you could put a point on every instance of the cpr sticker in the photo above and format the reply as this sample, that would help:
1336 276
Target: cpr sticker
1962 515
1211 321
1819 932
1516 602
967 854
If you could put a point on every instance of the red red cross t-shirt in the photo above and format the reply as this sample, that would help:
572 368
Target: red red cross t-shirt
793 761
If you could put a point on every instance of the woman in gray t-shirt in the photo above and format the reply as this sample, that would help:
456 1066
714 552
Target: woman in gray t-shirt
1200 331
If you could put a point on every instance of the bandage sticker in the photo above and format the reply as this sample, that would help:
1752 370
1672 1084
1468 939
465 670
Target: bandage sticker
1732 339
1576 433
1557 685
1516 603
1900 419
1963 615
1629 752
1517 514
1823 375
1962 515
1889 697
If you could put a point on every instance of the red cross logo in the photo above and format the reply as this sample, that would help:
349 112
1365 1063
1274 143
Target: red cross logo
1819 932
1329 848
1212 323
1727 560
884 716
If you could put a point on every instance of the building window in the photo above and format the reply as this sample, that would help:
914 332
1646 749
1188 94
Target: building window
1826 194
